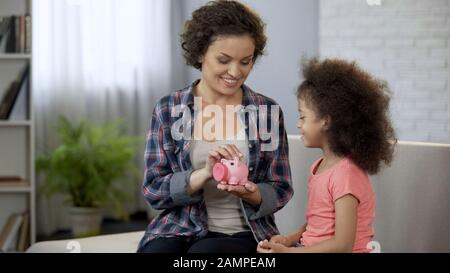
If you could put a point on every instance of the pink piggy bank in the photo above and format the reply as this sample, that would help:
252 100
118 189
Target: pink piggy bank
232 172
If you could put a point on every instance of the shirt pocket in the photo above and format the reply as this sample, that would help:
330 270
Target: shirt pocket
171 150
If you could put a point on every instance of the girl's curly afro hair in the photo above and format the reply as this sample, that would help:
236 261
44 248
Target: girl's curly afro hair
358 107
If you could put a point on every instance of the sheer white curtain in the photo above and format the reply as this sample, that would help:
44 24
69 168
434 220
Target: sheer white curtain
98 59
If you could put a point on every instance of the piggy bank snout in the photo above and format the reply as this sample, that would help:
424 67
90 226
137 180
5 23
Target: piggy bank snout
220 172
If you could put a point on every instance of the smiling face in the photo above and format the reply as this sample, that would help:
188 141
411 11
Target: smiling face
227 64
312 128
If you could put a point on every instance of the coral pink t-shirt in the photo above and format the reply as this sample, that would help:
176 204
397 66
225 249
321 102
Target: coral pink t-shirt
324 189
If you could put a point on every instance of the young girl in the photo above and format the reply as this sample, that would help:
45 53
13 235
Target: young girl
344 112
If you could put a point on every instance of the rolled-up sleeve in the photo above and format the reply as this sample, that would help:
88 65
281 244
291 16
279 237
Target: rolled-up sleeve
178 189
162 187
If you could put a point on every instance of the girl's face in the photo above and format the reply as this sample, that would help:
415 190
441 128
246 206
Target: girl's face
312 129
227 63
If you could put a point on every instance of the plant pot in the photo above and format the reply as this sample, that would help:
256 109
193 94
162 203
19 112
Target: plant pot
85 221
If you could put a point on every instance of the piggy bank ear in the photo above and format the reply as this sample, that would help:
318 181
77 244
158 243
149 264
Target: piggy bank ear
236 161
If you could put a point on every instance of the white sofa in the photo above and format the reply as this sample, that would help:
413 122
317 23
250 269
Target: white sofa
413 203
122 242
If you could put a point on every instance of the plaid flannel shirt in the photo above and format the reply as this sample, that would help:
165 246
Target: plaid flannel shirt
168 168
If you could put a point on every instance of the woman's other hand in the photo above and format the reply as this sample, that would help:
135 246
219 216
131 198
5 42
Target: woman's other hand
228 151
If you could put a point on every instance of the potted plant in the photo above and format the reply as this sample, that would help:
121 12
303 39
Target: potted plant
90 166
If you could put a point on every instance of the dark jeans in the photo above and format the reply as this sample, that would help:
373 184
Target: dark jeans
214 242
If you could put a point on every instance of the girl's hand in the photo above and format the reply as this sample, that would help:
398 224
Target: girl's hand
280 239
268 247
228 151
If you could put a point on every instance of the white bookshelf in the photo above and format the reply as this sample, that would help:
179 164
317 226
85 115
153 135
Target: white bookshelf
15 123
15 189
17 134
14 56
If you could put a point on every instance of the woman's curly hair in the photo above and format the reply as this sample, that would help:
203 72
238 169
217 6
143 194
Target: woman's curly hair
220 18
358 107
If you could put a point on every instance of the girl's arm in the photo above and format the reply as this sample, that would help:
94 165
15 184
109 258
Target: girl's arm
344 237
295 236
345 231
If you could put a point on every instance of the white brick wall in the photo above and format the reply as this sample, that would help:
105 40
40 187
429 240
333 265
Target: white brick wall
407 43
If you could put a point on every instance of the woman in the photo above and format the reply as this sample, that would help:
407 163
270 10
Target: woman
223 40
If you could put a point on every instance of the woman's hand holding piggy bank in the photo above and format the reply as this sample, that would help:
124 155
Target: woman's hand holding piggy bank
231 172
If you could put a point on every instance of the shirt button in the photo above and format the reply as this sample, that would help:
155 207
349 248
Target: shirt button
250 145
250 169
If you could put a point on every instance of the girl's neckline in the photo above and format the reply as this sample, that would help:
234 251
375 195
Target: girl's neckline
319 162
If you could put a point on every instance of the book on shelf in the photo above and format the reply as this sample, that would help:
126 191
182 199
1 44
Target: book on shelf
4 32
21 38
3 42
20 110
11 95
4 27
13 181
16 31
10 234
23 239
11 42
10 178
27 33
